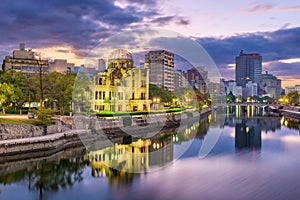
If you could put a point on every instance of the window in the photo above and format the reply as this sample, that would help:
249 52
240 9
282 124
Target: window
132 96
120 95
112 108
143 83
96 95
103 94
119 107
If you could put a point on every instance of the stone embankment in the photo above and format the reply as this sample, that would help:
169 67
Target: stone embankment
42 143
21 139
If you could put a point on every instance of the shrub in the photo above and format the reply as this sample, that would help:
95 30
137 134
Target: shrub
44 116
174 110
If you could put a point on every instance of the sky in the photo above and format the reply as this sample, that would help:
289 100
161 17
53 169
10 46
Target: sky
70 29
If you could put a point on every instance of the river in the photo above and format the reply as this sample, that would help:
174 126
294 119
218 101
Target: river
256 157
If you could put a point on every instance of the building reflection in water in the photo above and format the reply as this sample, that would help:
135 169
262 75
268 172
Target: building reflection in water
248 135
249 123
128 157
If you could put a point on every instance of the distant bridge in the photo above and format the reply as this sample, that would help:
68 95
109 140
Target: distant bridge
250 104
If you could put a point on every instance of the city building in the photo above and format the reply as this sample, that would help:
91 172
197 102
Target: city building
289 89
62 66
215 89
161 67
197 78
251 89
230 86
24 61
101 65
179 79
122 87
238 91
270 85
248 68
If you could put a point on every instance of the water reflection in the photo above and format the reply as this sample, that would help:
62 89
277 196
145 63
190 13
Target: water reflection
117 163
47 176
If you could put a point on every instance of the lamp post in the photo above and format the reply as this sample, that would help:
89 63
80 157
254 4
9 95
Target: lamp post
156 101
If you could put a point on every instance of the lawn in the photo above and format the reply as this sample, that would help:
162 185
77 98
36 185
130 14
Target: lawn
16 121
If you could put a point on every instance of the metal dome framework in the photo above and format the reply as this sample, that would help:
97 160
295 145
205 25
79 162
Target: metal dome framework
120 54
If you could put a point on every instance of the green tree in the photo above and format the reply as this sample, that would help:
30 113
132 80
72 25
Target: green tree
16 80
230 97
293 97
156 91
7 95
82 93
62 89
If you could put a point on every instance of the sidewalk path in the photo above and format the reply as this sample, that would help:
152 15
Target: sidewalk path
13 116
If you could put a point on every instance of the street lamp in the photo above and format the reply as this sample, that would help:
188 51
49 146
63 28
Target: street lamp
156 101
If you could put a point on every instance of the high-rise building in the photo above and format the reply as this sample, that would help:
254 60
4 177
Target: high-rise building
197 78
179 79
251 89
270 85
161 68
24 61
248 68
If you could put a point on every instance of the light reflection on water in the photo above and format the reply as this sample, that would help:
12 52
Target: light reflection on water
256 158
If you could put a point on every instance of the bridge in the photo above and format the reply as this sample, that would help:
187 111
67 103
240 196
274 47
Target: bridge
250 104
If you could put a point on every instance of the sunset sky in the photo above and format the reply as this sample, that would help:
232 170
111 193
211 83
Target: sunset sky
70 29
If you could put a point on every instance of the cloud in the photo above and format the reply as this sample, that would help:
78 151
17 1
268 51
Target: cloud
260 8
81 25
267 7
289 8
273 46
171 19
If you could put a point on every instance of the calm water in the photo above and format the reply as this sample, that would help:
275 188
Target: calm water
256 157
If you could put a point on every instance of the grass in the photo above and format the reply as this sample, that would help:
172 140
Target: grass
16 121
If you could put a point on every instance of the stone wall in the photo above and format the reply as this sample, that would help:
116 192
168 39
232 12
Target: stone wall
16 131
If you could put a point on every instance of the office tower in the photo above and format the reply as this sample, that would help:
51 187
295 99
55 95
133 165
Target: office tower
248 68
161 68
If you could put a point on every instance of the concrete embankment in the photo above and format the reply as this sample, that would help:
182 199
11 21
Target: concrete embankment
40 144
291 114
54 142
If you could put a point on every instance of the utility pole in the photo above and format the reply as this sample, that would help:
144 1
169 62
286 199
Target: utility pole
40 65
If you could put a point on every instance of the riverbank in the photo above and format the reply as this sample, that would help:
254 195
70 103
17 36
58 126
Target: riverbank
40 145
291 114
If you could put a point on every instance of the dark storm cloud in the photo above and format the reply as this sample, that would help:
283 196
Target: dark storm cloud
286 69
80 24
277 45
170 19
273 46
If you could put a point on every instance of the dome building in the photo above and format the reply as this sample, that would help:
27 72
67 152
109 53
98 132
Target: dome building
122 87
